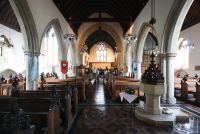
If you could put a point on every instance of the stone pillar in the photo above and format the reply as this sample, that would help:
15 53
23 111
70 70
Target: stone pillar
75 69
170 78
124 70
163 70
138 74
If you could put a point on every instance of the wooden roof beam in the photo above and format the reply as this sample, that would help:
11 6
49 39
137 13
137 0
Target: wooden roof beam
99 20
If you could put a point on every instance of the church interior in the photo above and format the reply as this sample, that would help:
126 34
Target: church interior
99 66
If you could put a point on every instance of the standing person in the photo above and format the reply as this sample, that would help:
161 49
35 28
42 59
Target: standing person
94 72
98 74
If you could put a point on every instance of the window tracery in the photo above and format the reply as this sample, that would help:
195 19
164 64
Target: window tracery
101 53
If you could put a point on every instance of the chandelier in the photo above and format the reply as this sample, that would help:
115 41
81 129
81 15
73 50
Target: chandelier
84 50
71 37
188 44
129 37
116 52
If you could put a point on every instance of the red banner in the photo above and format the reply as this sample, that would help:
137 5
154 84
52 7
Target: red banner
64 67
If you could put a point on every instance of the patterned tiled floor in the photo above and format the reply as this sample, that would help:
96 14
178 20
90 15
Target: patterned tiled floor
105 119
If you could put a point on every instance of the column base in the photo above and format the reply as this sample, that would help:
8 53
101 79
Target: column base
163 99
171 100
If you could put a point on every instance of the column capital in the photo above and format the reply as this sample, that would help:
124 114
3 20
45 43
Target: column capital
139 61
32 53
171 54
162 55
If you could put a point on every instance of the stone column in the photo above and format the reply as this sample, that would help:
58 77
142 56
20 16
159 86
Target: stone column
170 78
75 69
138 74
163 70
124 70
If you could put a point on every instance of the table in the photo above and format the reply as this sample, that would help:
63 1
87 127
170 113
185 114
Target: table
129 97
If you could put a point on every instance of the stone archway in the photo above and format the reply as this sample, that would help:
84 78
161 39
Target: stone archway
169 42
173 25
27 25
29 32
142 35
139 45
62 48
108 29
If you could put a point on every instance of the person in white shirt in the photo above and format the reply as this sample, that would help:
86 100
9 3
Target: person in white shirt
97 74
94 72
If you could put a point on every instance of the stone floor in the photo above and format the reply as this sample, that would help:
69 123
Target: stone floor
99 115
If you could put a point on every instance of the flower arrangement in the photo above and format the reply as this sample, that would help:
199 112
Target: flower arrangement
130 90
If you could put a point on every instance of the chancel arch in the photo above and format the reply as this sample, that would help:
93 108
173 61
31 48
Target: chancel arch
104 27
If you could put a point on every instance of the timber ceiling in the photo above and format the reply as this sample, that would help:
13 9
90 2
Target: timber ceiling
123 11
7 16
80 10
193 15
100 36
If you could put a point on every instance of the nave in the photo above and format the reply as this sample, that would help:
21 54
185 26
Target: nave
103 116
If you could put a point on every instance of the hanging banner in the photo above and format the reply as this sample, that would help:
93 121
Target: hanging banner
33 67
135 66
64 67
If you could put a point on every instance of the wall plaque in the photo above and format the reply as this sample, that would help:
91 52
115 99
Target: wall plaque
197 68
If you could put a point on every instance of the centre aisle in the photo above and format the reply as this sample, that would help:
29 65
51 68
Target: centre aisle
99 115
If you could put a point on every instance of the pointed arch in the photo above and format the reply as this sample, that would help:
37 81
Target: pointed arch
27 25
62 48
142 35
108 29
173 25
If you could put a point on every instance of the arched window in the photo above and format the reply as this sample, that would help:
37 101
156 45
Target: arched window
52 47
182 58
4 51
101 53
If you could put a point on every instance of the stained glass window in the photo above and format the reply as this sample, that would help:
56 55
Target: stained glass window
101 53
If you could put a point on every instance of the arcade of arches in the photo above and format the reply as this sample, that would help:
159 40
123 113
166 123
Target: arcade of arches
92 34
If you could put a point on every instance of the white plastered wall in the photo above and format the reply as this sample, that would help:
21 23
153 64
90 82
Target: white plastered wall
162 8
15 54
193 53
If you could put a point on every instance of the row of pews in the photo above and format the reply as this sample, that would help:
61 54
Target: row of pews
187 89
50 109
113 85
46 110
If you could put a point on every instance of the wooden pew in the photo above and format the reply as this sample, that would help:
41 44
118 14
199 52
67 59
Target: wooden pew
5 89
61 83
44 112
62 93
185 93
197 93
18 125
90 85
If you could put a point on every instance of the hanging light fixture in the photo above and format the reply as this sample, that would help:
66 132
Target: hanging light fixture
130 37
116 52
188 43
71 37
